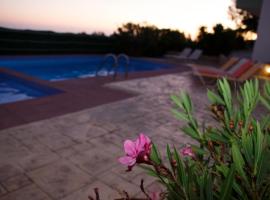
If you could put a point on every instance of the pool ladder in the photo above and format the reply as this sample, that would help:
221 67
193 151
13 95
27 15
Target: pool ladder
115 64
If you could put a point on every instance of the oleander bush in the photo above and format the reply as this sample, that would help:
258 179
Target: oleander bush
231 157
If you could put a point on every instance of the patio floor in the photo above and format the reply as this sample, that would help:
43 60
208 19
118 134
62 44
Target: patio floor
66 157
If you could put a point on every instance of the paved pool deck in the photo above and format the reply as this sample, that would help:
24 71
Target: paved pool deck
65 157
77 94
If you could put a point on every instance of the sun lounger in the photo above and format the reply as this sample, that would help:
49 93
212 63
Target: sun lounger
251 72
235 72
187 54
225 66
180 55
195 55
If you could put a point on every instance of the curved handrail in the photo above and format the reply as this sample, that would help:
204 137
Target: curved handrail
106 58
115 63
125 56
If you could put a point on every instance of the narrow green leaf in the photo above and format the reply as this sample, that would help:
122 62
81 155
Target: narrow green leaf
169 156
226 188
238 160
191 132
155 155
179 115
214 98
258 146
149 171
177 101
214 136
181 174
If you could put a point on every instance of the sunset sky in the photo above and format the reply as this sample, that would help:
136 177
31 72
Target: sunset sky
106 15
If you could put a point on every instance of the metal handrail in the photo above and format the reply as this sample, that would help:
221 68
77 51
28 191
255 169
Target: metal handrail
115 64
125 56
104 61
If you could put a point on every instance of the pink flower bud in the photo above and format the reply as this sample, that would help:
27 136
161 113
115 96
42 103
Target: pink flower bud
187 152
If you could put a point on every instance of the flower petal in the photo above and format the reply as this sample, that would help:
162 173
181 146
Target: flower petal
142 142
126 160
130 148
145 139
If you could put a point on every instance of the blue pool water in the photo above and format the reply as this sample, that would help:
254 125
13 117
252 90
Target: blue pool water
16 89
55 68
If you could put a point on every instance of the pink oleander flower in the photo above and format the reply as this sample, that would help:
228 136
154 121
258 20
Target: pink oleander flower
187 151
137 151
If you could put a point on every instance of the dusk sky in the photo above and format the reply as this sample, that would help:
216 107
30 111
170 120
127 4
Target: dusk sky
106 15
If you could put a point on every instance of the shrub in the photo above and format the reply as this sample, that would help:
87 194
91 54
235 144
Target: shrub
231 158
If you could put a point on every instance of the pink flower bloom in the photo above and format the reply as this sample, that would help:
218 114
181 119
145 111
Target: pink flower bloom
154 195
137 151
187 151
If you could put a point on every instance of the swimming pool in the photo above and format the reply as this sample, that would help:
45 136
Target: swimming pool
16 89
56 68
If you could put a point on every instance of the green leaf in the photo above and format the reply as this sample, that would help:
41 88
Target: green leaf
181 174
248 147
209 187
198 150
155 155
179 115
265 102
169 156
186 102
214 136
265 122
191 132
238 160
214 98
149 171
226 187
258 146
177 101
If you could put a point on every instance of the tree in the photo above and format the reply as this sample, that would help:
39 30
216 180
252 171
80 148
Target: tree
221 41
147 40
244 20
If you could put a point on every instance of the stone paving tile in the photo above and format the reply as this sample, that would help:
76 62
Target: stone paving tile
110 127
108 143
8 170
59 178
2 190
84 146
135 176
83 132
37 160
36 130
94 161
11 149
31 192
111 138
16 182
34 146
66 152
154 187
105 192
119 184
56 141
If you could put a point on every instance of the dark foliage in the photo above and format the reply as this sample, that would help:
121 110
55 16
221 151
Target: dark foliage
221 41
131 39
244 20
138 40
46 42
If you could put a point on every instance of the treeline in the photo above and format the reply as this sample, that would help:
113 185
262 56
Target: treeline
132 39
47 42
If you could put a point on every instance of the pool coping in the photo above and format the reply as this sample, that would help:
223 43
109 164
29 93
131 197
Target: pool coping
78 94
